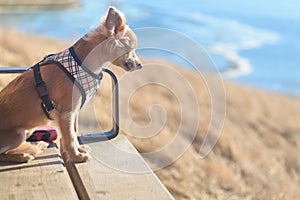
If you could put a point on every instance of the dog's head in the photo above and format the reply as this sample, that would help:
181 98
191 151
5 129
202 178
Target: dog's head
122 42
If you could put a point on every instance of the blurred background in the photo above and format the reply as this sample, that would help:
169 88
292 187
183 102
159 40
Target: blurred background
251 42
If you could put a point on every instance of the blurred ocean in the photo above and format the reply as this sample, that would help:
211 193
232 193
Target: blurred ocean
251 42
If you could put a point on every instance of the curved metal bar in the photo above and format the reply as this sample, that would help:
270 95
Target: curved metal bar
89 137
108 135
13 70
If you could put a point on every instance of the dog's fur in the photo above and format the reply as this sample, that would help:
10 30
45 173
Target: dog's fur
20 109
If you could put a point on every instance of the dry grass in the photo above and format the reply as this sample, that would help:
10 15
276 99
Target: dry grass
256 157
13 5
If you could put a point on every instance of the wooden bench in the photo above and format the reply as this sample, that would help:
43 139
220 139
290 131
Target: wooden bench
48 177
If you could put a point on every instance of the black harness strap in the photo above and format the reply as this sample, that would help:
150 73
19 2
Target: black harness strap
82 85
47 105
58 64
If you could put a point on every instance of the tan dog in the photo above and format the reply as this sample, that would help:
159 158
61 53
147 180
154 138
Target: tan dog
20 109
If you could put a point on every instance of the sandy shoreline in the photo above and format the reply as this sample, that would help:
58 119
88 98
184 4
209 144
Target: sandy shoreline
16 5
256 157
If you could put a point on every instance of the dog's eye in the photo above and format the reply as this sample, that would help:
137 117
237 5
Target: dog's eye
125 42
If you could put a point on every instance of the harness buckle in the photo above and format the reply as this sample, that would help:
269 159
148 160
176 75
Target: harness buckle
47 109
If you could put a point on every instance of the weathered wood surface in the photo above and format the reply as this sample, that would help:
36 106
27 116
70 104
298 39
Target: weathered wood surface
117 171
43 178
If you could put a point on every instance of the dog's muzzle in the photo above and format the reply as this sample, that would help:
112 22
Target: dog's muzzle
131 65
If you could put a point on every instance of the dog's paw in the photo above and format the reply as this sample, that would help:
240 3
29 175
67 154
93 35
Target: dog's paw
21 158
26 157
42 145
39 146
83 149
81 157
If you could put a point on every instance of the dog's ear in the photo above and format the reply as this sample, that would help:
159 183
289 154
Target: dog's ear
114 21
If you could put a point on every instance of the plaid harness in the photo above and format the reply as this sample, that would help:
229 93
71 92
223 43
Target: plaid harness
86 81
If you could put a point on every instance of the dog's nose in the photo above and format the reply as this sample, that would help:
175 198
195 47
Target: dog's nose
140 65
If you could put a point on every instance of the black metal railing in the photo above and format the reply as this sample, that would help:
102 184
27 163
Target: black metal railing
96 136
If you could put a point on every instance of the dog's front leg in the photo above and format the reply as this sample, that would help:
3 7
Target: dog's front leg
81 148
68 144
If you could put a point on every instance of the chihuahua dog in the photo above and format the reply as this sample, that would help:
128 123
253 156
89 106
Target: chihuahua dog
20 111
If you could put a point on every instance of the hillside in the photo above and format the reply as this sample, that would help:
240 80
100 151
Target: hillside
15 5
256 156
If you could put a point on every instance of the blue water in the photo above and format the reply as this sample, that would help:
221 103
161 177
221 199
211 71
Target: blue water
254 43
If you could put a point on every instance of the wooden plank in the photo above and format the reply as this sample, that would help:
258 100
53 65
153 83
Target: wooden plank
105 182
43 178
